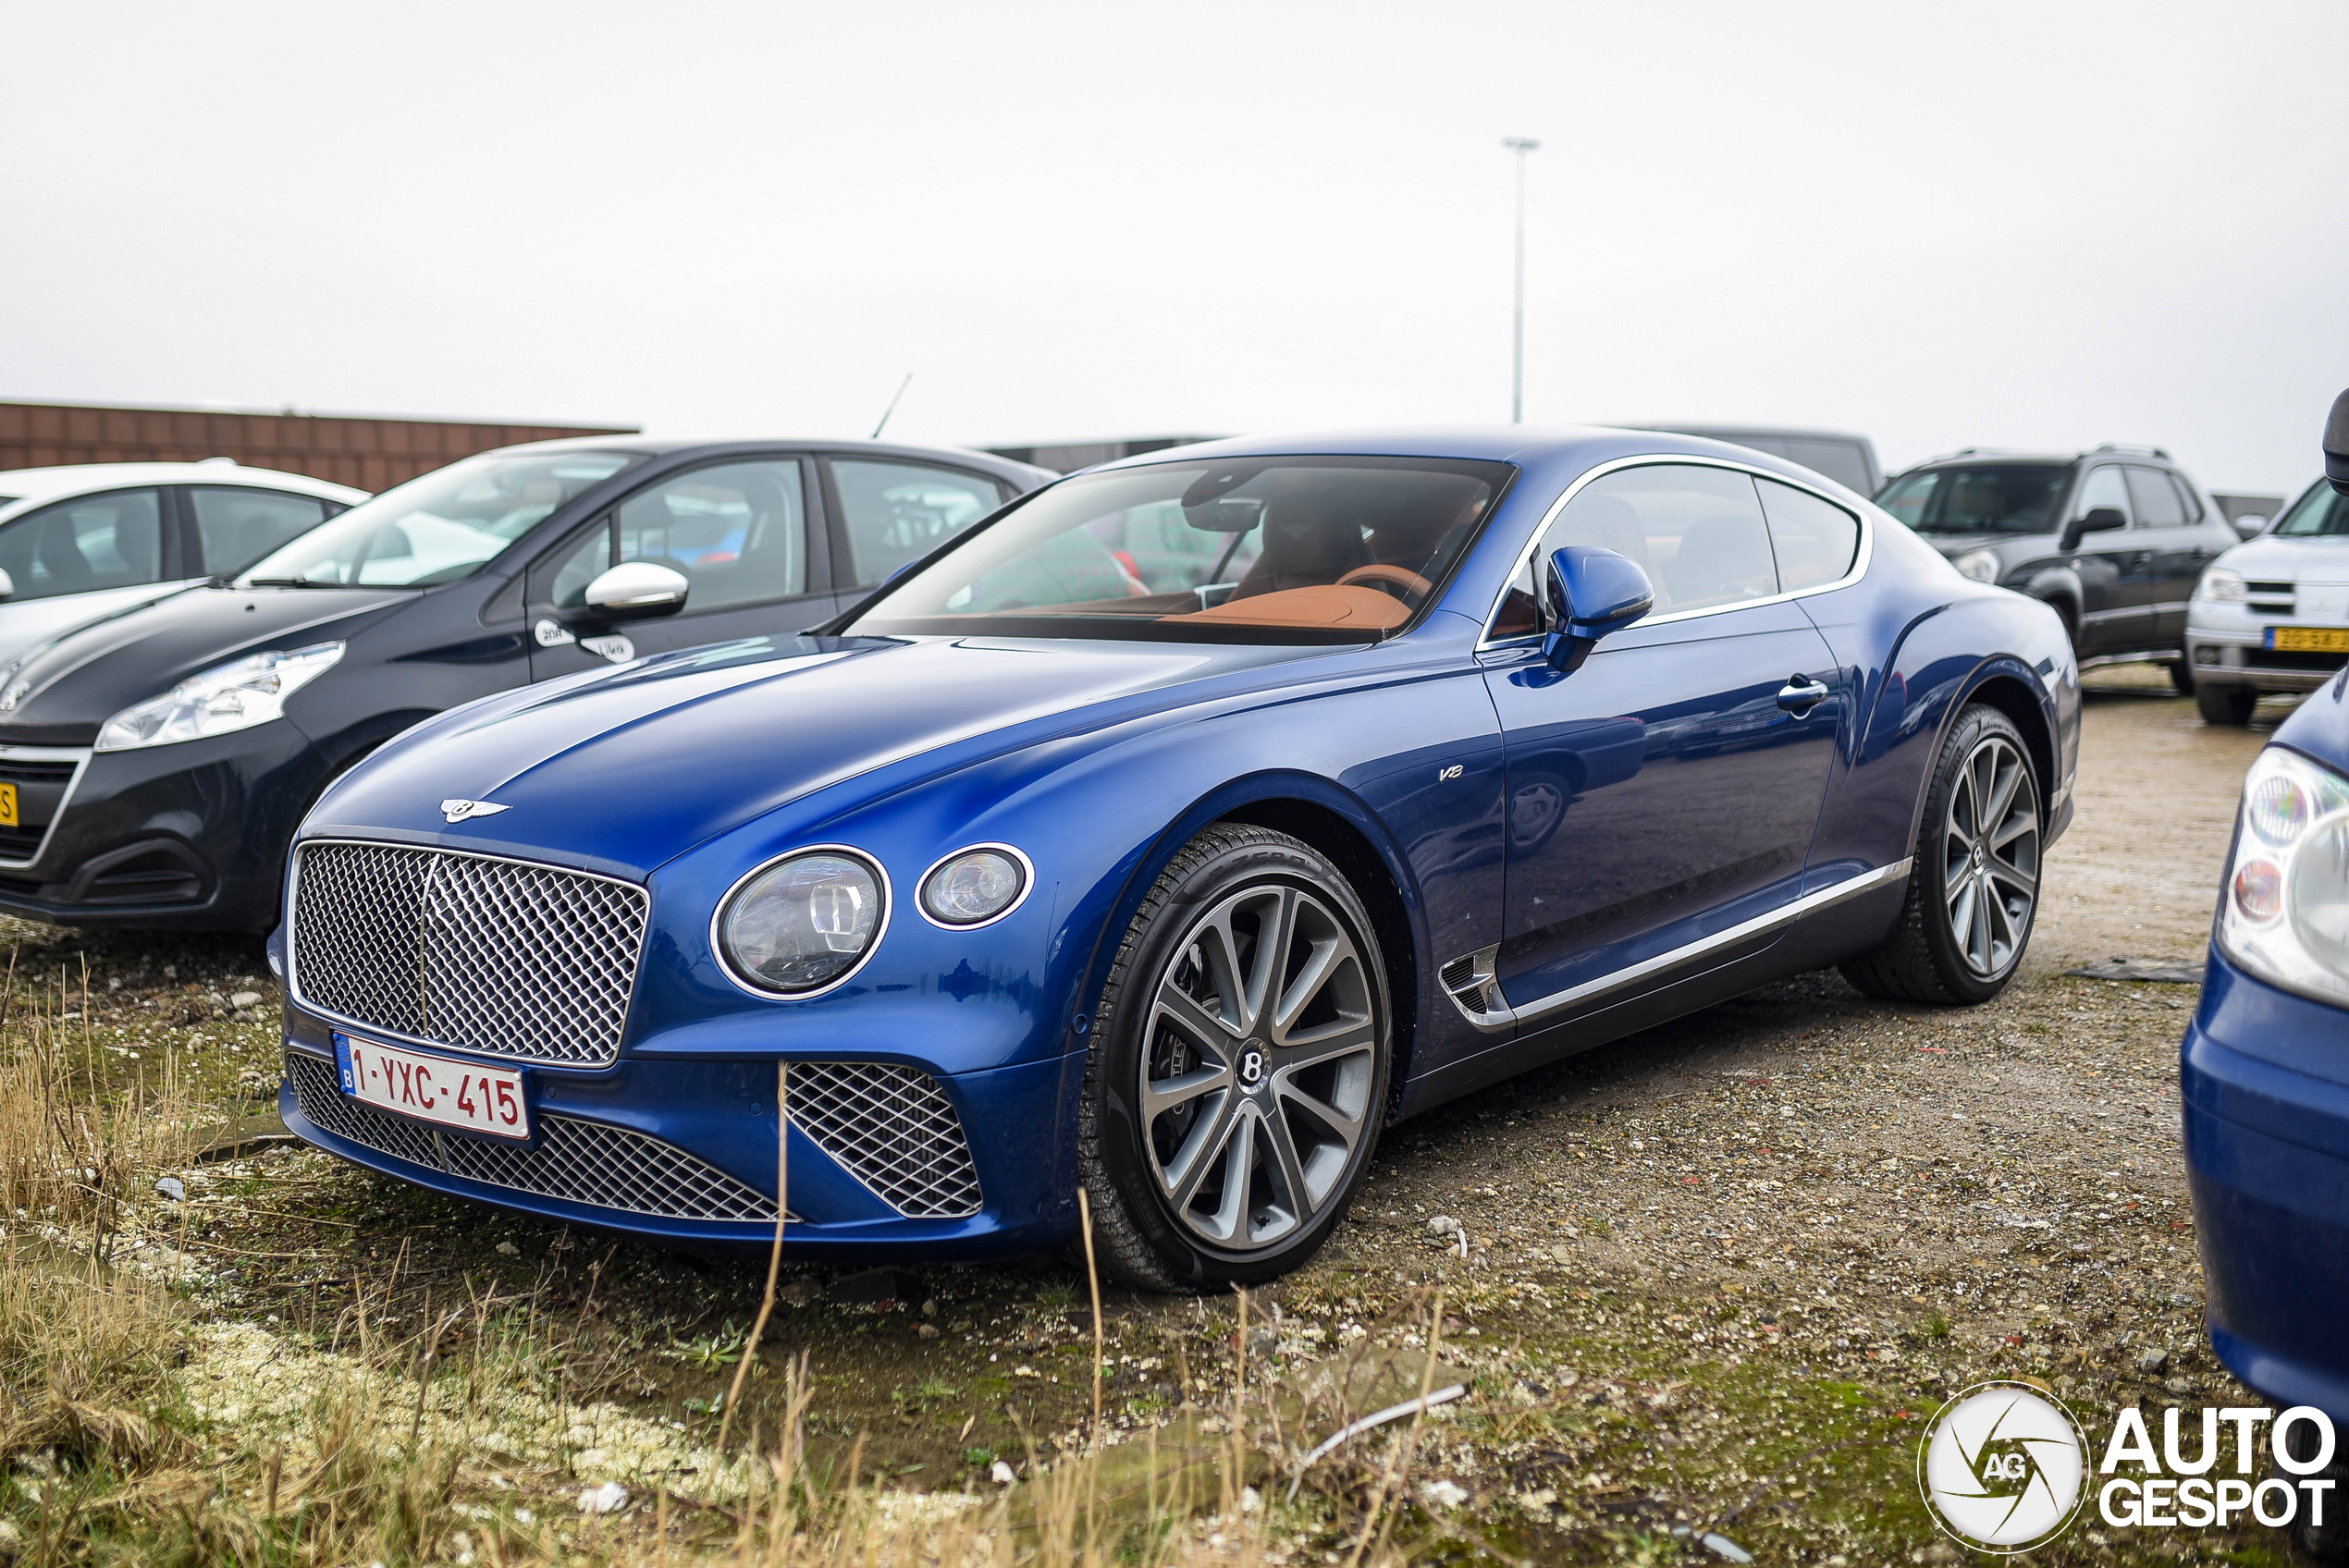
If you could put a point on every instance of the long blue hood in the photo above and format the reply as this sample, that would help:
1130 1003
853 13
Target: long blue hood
627 768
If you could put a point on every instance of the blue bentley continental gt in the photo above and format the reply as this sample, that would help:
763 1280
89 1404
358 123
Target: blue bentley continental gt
1167 835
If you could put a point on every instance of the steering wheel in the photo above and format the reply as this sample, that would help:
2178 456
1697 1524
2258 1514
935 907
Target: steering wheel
1401 582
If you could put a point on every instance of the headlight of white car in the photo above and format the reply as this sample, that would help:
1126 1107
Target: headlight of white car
2220 586
226 698
1980 565
2283 913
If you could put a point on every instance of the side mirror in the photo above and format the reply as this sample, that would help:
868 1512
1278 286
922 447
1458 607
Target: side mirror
7 585
2250 525
1591 591
2337 445
2103 520
637 591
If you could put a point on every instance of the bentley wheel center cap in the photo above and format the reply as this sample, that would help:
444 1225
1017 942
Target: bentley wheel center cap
1251 1067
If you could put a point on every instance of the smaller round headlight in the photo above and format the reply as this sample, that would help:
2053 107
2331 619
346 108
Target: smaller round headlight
1980 565
972 887
803 923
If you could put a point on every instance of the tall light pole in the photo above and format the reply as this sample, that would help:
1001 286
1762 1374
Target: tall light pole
1520 145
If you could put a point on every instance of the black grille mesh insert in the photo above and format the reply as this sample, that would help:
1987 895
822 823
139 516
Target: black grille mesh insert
892 1129
583 1161
486 955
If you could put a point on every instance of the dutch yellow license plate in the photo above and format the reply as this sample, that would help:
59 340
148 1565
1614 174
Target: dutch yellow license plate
2309 639
8 806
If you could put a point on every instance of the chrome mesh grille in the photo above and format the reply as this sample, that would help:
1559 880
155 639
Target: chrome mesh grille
892 1129
486 955
582 1161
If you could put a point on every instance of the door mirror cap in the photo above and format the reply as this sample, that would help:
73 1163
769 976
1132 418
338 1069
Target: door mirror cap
637 591
2337 445
2102 519
2250 525
1591 591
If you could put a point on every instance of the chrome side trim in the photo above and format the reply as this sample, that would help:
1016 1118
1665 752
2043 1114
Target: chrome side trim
79 757
1508 1016
1525 555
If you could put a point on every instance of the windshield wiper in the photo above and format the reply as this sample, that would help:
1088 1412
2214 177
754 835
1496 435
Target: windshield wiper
291 582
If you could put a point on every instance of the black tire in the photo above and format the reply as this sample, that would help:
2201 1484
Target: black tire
2182 677
2230 705
2328 1542
1237 1078
1971 885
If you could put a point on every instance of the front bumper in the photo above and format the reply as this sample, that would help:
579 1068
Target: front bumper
2265 1079
187 836
2236 655
684 1151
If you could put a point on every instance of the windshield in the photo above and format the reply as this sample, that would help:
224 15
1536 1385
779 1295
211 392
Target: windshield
439 526
2320 512
1250 550
1984 498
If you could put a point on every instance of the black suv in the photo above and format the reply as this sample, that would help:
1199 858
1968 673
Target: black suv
2114 539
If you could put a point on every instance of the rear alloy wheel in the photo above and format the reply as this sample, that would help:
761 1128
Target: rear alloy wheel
2230 705
1239 1067
1974 889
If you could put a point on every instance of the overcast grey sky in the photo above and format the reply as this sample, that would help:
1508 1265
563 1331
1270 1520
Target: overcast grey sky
2028 225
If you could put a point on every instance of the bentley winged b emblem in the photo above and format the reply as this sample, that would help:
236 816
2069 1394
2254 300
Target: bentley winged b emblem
461 811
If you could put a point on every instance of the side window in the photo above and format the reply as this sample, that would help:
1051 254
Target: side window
109 541
1698 532
2155 502
238 527
2103 488
899 512
1814 541
737 531
2186 497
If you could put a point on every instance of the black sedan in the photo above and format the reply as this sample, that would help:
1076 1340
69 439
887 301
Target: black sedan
153 767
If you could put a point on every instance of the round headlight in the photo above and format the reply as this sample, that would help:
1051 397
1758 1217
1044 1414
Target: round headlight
805 922
1980 565
974 886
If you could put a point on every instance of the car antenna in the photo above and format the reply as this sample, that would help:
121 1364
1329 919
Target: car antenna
892 406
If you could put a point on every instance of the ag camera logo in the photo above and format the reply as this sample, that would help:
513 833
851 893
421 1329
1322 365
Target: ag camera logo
2002 1467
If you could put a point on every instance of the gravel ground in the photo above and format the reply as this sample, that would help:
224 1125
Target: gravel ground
1711 1277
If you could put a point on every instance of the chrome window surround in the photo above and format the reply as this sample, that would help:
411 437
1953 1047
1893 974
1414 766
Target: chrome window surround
79 757
1525 556
293 947
766 993
1027 870
1470 982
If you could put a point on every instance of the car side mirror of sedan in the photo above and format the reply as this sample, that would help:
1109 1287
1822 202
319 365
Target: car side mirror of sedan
2250 525
637 591
2102 519
1592 592
2337 445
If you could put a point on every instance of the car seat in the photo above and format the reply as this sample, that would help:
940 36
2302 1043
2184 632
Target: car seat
1722 558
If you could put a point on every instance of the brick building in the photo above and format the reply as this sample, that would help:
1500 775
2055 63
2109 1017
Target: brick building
373 454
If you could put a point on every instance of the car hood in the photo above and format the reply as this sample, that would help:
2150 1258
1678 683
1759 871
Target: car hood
2273 559
62 691
627 768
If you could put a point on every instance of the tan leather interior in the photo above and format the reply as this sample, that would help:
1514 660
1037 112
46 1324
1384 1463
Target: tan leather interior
1354 609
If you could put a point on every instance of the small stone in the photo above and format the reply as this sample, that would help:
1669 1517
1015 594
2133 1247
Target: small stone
2152 1361
929 1307
2180 1385
507 1249
927 1330
1444 1494
172 1188
245 999
1442 1225
609 1498
1001 1474
1562 1253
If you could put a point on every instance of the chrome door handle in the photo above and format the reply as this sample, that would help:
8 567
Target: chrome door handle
1800 694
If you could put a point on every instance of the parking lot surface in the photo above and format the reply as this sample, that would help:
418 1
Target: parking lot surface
1713 1276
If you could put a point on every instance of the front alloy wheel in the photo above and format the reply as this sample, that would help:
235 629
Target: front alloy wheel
1240 1066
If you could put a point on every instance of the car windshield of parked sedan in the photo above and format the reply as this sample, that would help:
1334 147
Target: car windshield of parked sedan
1979 498
438 527
2320 513
1245 550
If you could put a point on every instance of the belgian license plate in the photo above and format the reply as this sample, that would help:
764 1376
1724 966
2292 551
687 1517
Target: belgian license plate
2308 639
8 806
434 1088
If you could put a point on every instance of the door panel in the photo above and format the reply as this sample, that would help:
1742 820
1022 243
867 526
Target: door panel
739 533
2173 548
2115 568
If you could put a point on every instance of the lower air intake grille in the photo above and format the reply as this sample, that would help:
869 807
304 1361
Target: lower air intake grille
891 1128
581 1161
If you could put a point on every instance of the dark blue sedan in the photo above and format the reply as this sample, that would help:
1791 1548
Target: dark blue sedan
1167 836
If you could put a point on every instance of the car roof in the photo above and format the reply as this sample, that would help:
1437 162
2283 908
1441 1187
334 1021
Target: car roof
1518 444
1972 455
31 487
671 445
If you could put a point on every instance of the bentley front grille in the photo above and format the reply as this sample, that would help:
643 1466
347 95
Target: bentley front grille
497 956
585 1162
892 1129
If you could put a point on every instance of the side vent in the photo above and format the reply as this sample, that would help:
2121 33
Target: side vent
1468 981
